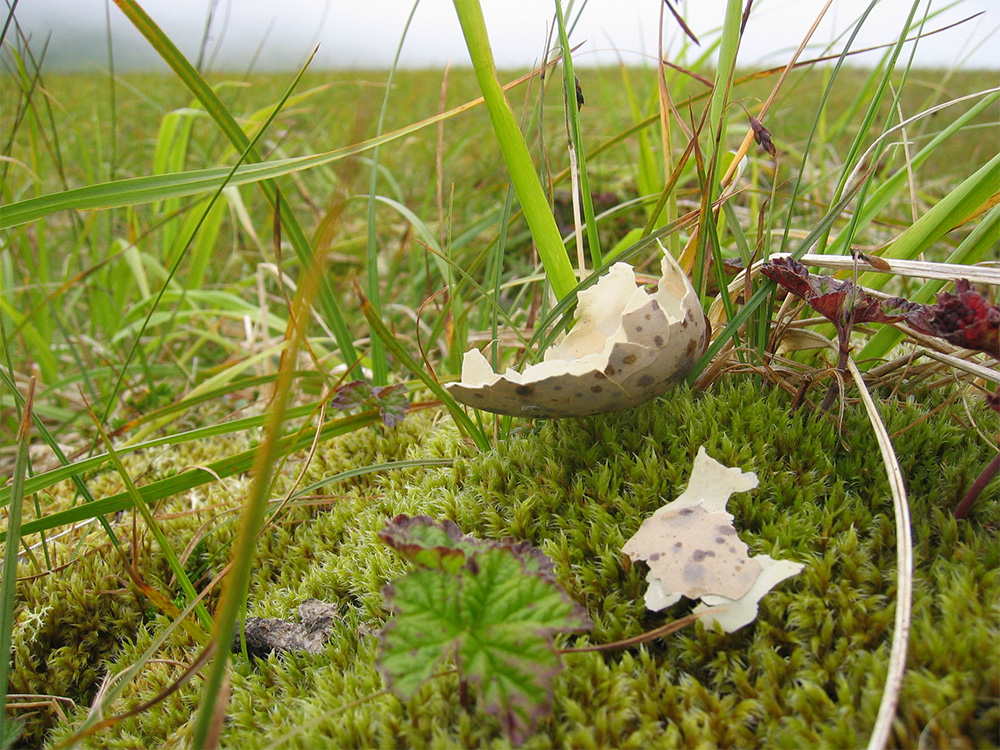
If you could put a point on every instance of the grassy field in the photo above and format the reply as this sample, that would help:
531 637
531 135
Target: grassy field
161 311
82 277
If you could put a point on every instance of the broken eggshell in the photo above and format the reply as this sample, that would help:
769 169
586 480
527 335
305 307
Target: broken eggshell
627 347
733 614
692 550
690 544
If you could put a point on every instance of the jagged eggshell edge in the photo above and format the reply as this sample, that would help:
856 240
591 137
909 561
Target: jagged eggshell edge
627 347
731 615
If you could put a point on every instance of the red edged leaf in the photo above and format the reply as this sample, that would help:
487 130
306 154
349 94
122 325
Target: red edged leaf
426 542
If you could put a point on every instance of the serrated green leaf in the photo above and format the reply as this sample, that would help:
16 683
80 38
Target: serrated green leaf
494 616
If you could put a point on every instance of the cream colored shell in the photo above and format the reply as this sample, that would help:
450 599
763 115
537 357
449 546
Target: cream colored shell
692 550
627 347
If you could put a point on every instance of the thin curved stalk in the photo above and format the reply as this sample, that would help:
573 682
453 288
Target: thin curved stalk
904 571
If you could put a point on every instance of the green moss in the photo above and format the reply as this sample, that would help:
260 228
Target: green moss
808 672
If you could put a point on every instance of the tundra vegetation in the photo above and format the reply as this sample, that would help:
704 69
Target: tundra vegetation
242 507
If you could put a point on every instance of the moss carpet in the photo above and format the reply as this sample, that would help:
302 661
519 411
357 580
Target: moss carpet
808 672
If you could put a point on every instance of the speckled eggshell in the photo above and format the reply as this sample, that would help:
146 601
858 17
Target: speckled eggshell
694 552
691 546
733 615
627 347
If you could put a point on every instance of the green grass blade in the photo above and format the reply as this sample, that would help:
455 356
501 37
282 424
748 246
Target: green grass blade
139 190
57 450
576 141
884 193
170 155
150 520
984 238
49 478
392 344
764 292
941 218
11 550
875 106
232 603
728 48
217 110
247 151
529 190
238 463
377 358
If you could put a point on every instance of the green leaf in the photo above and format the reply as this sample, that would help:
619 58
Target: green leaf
390 400
492 607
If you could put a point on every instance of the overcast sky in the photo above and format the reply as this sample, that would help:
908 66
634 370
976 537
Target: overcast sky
365 33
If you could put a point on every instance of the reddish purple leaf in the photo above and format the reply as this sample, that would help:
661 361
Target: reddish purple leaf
993 401
841 302
964 319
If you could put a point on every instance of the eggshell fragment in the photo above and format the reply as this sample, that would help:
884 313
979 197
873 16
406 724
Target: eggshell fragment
690 544
626 347
693 550
733 615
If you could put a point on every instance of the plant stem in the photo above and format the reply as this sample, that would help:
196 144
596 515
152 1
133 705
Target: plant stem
8 581
977 487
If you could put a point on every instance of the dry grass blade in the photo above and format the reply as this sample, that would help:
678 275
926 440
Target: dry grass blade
904 571
661 632
920 269
973 368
